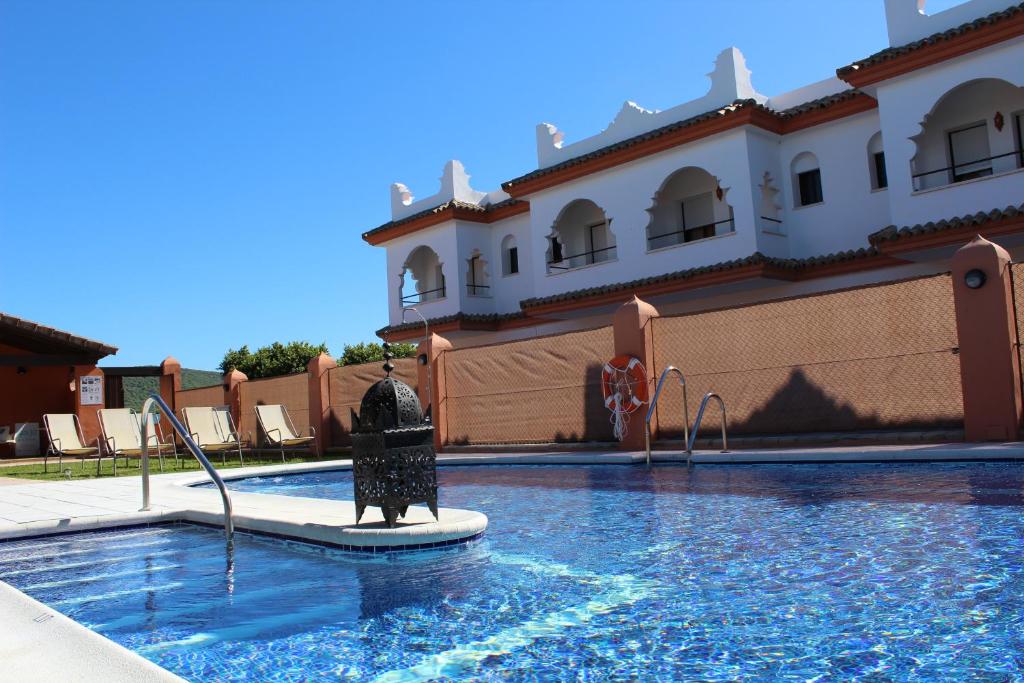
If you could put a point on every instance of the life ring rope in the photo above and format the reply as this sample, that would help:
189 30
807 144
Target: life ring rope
624 387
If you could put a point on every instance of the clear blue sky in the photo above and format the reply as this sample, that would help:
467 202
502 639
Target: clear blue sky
162 162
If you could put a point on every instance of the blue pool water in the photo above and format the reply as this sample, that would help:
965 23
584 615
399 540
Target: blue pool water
789 573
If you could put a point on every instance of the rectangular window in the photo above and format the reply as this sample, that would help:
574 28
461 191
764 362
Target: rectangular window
969 153
698 215
597 243
881 179
810 187
513 260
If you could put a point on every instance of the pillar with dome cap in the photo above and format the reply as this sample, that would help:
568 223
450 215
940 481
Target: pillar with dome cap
320 398
633 334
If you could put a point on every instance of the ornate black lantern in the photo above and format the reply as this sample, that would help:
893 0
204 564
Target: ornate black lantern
393 460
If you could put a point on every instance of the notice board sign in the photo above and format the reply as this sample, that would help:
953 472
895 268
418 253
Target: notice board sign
90 391
26 438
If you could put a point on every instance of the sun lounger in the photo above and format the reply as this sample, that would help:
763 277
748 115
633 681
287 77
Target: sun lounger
64 432
213 430
281 433
122 435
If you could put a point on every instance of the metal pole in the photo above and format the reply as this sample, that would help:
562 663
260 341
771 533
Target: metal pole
229 523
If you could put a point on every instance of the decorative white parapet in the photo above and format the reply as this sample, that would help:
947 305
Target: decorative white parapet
909 21
730 81
454 186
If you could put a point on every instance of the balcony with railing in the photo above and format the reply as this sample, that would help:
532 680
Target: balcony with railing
581 237
973 132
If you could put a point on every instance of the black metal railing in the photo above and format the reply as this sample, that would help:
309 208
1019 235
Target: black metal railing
421 297
691 230
771 220
475 290
590 257
952 170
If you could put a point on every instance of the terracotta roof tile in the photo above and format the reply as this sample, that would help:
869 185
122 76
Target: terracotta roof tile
636 139
34 329
755 259
820 103
892 233
451 204
894 52
456 317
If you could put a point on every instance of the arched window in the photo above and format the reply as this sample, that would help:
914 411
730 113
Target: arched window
581 236
689 206
426 281
876 163
806 174
478 281
509 256
973 131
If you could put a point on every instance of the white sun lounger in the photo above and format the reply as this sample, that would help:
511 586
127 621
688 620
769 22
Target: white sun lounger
64 432
281 433
213 430
122 435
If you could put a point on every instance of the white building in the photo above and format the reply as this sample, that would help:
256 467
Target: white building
876 174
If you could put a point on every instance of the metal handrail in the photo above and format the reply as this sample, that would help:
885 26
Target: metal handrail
1016 152
654 403
591 252
696 424
229 524
420 300
684 229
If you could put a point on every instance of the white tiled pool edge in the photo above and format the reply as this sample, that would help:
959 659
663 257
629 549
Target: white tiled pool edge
41 644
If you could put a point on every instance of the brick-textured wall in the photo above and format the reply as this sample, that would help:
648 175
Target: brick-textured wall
347 385
876 357
539 390
291 391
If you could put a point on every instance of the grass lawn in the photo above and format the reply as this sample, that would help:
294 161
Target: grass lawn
134 468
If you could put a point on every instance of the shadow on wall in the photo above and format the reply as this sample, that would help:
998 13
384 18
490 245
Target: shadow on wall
801 406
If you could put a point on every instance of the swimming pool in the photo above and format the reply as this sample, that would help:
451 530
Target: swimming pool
837 572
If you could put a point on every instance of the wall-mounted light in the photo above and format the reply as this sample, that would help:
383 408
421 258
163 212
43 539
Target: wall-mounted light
974 278
421 359
999 121
22 370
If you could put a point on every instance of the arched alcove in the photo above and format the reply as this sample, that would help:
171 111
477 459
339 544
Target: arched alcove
422 277
770 210
580 236
478 278
689 206
973 131
509 256
806 177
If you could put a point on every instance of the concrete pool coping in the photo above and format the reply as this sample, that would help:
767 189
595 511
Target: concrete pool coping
41 644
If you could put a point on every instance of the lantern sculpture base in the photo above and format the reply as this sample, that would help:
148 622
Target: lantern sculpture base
394 469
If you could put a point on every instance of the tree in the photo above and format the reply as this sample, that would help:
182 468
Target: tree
364 352
271 361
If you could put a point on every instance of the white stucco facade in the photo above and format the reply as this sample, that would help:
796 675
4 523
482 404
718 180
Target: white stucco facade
784 190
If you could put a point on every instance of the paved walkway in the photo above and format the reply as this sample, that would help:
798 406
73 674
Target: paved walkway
55 507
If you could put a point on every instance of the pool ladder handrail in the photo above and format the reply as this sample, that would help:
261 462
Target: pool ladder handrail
654 403
155 399
696 424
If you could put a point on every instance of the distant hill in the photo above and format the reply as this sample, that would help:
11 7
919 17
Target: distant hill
136 389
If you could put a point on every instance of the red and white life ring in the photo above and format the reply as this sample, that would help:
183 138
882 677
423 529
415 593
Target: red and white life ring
624 378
